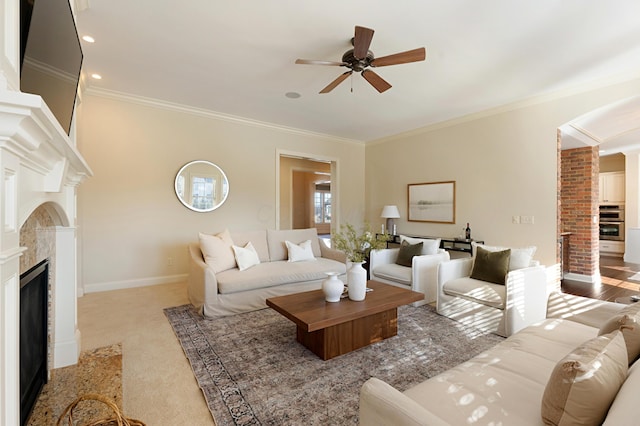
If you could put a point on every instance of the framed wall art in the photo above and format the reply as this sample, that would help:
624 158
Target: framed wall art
432 202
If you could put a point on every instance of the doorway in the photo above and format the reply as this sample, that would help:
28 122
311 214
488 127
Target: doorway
306 193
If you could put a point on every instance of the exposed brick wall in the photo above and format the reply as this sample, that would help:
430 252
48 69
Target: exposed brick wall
578 206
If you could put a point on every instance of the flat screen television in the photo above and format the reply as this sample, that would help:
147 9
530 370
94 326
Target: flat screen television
51 55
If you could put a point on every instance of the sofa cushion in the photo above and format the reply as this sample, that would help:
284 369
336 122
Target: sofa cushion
394 272
627 321
624 410
276 241
429 246
407 252
269 274
258 240
491 266
299 252
482 292
217 251
583 384
520 257
503 385
246 256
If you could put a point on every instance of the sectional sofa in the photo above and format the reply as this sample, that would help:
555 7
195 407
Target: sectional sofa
235 272
573 368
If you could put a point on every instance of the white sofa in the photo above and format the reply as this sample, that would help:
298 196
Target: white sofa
505 385
422 276
499 308
232 291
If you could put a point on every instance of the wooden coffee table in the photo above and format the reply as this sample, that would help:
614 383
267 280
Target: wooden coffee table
331 329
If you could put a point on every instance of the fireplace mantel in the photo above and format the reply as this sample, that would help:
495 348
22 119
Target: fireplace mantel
40 166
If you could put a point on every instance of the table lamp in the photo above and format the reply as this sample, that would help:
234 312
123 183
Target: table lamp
390 213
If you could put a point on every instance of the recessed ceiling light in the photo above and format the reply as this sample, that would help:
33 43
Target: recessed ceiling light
96 76
292 95
88 39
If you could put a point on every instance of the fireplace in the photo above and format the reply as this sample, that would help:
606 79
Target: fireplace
40 168
34 301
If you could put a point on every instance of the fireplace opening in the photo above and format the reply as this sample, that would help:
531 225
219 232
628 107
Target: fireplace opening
34 290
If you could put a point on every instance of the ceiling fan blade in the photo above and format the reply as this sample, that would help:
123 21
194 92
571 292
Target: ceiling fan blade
414 55
335 82
314 62
361 42
376 81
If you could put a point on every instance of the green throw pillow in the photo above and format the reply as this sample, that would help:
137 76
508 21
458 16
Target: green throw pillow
491 266
406 253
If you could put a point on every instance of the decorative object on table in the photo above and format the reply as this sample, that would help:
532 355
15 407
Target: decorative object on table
357 247
390 213
117 419
333 287
467 232
432 202
357 281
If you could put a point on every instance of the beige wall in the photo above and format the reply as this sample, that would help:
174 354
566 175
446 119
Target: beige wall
130 220
504 165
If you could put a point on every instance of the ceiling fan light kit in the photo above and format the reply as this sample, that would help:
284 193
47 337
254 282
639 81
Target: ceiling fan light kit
360 59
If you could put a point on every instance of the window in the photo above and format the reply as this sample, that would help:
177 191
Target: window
202 192
322 205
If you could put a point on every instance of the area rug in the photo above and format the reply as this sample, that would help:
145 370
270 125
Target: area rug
252 370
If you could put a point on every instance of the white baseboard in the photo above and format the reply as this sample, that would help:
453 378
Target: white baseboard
142 282
591 279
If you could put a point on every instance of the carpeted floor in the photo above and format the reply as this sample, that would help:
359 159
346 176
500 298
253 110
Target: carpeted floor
252 371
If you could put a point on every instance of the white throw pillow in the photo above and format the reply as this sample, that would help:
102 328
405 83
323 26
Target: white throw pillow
429 246
217 251
246 256
299 252
520 257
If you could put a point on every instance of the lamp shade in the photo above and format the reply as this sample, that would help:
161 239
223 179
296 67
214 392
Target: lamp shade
390 212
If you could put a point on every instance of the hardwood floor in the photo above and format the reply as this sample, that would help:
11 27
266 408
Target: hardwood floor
619 279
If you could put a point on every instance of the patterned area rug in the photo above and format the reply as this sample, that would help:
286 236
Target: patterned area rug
253 372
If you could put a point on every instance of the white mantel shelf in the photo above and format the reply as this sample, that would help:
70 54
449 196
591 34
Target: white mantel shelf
39 165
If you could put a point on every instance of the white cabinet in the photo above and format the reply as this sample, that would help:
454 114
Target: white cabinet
612 187
611 247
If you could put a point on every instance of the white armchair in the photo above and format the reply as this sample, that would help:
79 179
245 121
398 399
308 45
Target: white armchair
422 276
497 308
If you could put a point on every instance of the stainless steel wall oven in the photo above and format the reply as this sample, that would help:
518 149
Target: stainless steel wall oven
612 222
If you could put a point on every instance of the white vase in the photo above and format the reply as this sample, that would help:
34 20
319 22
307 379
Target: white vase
357 281
333 287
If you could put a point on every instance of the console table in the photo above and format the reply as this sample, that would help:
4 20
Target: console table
449 244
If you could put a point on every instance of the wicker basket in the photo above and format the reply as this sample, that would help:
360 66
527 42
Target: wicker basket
118 418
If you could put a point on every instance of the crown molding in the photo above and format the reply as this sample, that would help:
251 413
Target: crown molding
201 112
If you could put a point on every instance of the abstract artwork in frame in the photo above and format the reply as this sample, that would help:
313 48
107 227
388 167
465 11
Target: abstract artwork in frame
432 202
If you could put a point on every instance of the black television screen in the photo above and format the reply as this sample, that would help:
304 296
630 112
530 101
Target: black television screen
51 55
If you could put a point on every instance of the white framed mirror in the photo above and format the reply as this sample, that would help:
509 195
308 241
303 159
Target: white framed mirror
201 186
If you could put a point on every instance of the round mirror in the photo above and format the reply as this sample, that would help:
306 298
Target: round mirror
201 186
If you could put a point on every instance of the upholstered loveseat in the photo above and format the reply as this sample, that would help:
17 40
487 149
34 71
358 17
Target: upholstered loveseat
231 273
557 371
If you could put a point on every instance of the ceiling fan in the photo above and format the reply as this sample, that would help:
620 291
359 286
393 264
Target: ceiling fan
360 58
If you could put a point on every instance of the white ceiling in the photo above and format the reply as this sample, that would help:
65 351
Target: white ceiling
237 57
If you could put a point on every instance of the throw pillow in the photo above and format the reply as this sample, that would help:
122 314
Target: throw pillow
300 252
246 256
406 253
429 246
628 322
520 257
217 252
584 383
491 266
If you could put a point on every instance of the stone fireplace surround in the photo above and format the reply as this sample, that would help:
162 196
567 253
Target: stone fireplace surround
41 169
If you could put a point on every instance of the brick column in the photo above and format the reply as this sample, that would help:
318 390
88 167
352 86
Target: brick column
578 206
